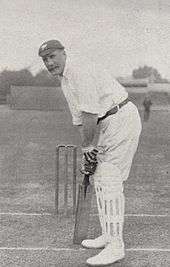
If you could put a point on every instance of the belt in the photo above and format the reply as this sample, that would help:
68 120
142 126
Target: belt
114 110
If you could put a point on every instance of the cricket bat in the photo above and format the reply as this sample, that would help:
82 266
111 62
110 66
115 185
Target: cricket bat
82 216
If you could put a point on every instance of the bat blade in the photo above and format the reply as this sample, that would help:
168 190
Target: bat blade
83 211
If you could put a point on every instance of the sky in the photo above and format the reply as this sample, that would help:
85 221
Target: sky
121 34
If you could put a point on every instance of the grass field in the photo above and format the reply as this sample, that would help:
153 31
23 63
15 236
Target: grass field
32 235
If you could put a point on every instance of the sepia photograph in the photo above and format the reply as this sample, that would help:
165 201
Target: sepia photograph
84 133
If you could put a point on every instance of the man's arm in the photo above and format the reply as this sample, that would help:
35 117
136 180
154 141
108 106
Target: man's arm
89 128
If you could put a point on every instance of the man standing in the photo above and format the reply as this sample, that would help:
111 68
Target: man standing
147 105
95 98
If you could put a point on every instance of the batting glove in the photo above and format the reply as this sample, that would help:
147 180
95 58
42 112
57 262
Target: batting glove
88 168
89 160
90 154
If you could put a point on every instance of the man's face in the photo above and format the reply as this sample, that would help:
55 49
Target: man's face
55 62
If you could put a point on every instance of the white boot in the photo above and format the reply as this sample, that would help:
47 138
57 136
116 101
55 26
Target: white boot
109 255
98 242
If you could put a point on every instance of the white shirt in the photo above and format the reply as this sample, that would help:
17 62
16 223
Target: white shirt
90 88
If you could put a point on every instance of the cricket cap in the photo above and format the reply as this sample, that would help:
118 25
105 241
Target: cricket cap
48 47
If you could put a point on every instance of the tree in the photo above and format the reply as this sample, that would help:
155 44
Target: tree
148 72
24 77
43 78
8 78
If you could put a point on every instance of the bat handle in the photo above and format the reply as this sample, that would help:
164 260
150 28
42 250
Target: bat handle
86 183
86 180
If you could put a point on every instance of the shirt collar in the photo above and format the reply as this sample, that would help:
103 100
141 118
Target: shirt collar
67 66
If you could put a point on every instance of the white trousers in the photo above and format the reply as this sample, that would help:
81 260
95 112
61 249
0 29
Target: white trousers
118 141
